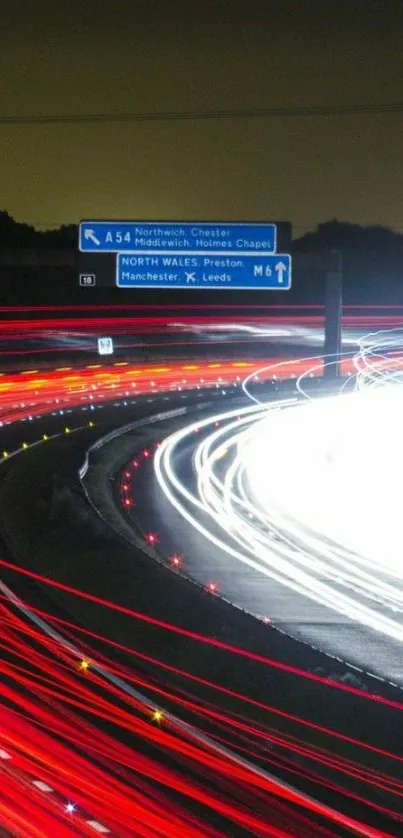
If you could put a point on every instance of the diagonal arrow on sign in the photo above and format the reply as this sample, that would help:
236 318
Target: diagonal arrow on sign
89 235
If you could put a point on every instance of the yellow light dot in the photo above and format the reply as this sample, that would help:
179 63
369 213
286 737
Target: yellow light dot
157 716
84 665
5 453
90 424
45 437
67 431
25 445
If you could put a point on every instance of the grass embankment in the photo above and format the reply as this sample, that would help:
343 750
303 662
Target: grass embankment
51 528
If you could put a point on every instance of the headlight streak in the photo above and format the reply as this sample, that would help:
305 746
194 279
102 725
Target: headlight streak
266 523
279 371
163 465
378 352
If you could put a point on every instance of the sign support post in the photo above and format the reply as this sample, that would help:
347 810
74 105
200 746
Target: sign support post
333 317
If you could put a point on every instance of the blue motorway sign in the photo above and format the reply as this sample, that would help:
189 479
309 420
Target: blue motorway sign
176 237
212 271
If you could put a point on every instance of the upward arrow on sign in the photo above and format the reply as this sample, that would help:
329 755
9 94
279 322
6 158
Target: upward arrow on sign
280 269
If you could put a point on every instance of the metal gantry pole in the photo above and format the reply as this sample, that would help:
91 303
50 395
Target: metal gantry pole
333 315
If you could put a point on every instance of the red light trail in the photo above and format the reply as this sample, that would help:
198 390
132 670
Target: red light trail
34 393
44 737
80 756
209 641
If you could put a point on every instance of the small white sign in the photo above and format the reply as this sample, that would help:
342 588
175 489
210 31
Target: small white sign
87 280
105 346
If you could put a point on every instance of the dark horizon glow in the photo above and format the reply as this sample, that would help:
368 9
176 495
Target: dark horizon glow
295 58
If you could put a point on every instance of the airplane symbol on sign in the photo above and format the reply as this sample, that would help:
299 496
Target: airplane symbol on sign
190 277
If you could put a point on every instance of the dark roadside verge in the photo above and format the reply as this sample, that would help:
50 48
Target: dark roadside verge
50 527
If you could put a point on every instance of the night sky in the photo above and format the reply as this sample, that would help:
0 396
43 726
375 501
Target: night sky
93 56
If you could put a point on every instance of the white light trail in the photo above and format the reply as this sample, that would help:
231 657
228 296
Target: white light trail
306 491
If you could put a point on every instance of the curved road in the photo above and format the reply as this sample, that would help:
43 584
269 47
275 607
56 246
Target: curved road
350 606
52 797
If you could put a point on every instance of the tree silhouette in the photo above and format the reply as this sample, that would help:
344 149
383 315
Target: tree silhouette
16 235
350 238
372 262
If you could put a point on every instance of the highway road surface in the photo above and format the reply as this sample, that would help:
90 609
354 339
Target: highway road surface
86 744
290 512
